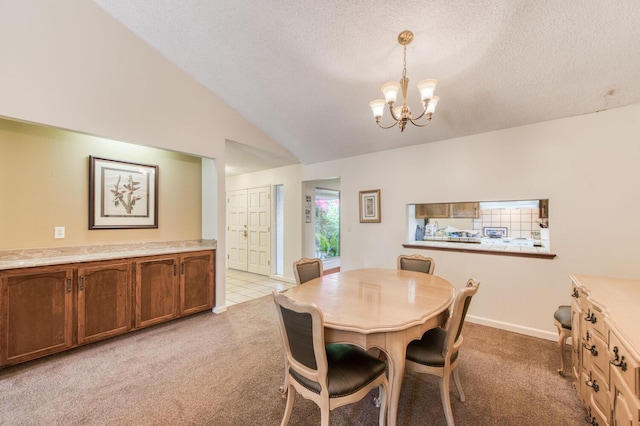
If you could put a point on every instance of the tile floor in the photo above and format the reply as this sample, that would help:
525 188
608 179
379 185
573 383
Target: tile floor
243 286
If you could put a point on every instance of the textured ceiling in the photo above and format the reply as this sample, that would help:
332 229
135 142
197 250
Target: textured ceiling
305 71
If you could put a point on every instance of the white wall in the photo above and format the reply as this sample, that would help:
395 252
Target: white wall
587 166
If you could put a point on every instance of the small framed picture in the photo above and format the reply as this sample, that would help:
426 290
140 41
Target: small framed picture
122 194
307 209
370 206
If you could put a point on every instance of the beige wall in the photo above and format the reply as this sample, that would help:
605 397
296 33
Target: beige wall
45 175
587 166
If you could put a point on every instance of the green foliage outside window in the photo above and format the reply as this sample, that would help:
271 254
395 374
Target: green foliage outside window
328 228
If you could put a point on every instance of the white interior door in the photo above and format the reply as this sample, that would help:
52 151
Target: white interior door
259 213
237 233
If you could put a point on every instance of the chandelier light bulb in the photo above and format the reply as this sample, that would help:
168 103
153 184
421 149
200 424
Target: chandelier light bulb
390 91
426 88
377 107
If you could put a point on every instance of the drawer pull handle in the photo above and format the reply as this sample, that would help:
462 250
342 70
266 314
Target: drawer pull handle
592 383
591 317
618 361
575 293
591 420
590 348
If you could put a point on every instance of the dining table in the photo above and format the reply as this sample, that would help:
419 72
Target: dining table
379 308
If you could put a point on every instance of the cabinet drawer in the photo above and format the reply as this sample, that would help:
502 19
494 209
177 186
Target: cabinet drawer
624 364
596 390
595 352
594 318
580 298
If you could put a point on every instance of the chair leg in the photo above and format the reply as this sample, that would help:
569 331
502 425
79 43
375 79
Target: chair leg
325 413
291 396
446 402
456 378
562 340
382 396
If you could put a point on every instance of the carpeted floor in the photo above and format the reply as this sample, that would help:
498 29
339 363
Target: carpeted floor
226 369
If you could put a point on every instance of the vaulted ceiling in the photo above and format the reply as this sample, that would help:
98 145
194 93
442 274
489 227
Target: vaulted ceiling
305 71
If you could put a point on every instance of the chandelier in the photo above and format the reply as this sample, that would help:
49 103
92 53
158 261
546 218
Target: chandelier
402 113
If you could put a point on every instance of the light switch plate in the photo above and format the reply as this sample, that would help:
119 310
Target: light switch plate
58 232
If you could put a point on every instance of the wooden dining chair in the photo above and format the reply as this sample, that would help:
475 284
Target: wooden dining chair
437 351
331 375
416 262
307 269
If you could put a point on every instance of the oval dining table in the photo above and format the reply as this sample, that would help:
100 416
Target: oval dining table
379 308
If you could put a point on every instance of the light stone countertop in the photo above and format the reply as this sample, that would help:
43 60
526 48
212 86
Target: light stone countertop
27 258
482 247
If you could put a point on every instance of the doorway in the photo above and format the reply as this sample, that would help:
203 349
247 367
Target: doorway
249 230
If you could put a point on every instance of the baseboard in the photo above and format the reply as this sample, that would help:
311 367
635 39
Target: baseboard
219 309
282 278
527 331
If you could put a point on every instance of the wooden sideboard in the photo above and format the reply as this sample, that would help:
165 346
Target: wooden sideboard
605 351
52 308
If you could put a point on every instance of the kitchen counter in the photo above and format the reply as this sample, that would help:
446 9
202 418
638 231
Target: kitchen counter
505 247
26 258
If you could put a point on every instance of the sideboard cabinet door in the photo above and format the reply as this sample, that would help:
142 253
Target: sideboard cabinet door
156 287
196 282
103 300
37 310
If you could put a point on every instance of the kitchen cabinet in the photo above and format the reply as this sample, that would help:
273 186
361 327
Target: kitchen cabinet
104 307
606 357
196 276
448 210
168 287
465 210
49 309
543 206
434 211
36 311
156 286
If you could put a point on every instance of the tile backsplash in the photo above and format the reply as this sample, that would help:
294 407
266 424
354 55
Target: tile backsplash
520 223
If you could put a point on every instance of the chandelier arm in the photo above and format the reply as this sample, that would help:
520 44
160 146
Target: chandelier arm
387 127
393 115
424 110
416 119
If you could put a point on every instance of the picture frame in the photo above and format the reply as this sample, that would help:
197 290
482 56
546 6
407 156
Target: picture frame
370 206
122 194
307 209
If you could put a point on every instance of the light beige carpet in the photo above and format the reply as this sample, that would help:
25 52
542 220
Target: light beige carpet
226 369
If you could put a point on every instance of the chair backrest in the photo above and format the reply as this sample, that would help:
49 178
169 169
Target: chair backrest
416 262
307 269
461 304
302 331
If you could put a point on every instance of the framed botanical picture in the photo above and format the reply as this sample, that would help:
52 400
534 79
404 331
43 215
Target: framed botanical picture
122 194
370 206
307 209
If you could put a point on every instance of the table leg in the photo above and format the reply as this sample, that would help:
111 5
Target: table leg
396 349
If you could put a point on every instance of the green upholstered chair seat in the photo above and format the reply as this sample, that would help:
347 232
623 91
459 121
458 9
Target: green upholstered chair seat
428 350
350 369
